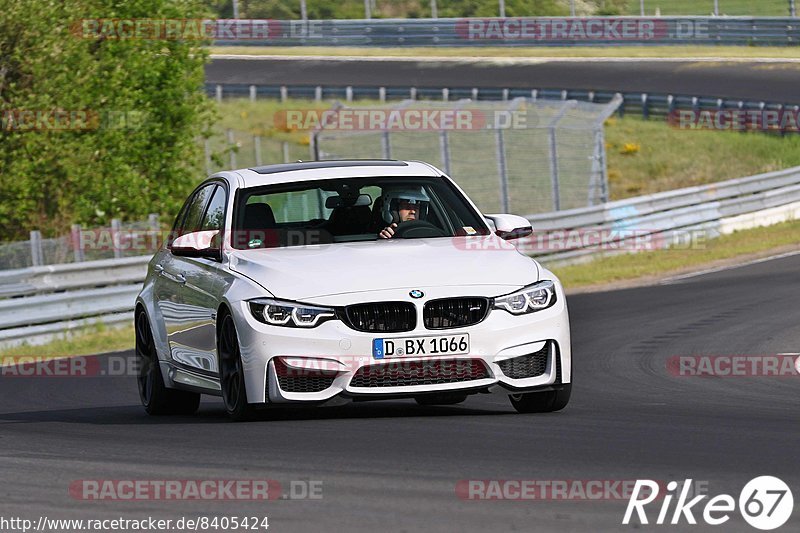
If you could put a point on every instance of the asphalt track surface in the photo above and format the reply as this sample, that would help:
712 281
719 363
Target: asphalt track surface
773 81
394 466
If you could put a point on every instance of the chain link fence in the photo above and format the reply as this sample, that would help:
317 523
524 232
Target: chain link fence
120 239
520 156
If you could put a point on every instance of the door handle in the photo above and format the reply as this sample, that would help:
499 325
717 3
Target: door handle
158 269
180 278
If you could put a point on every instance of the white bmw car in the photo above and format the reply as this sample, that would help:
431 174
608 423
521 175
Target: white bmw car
325 282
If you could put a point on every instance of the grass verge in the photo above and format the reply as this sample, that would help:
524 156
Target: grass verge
91 340
732 52
645 266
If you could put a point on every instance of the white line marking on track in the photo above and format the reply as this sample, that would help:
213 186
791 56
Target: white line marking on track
508 60
677 279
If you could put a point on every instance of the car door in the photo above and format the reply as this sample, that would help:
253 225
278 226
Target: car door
194 340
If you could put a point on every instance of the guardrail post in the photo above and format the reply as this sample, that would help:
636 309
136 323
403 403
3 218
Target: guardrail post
534 95
77 243
564 94
670 104
284 93
475 94
257 149
116 228
348 93
252 93
285 148
37 255
505 95
434 10
318 94
382 94
645 107
412 93
502 170
445 94
591 97
218 91
792 9
695 104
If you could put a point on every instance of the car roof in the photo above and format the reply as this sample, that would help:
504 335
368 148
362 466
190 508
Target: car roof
348 168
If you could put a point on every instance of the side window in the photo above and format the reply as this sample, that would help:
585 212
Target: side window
194 213
215 213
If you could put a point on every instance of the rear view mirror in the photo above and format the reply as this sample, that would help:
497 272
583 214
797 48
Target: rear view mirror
334 202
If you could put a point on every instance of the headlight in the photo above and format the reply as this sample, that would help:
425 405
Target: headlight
528 300
289 314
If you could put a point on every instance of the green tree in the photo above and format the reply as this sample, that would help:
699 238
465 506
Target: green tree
140 151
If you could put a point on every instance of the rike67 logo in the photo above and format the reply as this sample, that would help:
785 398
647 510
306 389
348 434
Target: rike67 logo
765 503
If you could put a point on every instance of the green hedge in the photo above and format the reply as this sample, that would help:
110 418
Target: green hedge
142 99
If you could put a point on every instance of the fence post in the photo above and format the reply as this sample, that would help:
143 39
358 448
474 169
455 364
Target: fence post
77 243
434 10
386 147
207 150
502 170
116 227
641 7
285 148
792 9
716 8
37 255
444 150
231 148
257 149
155 228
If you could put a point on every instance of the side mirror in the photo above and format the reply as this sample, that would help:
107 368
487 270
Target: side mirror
510 227
198 244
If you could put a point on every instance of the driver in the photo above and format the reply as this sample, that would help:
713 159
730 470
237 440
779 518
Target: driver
402 205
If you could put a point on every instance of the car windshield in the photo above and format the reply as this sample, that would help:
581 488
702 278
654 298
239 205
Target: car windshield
350 210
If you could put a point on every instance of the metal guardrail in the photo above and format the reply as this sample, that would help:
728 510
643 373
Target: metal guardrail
649 105
513 31
40 303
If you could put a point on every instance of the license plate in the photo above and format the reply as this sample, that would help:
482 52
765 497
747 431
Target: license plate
420 346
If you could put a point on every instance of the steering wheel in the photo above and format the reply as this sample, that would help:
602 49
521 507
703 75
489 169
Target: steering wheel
417 229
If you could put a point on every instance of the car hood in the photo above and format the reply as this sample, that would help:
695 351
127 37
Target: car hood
306 272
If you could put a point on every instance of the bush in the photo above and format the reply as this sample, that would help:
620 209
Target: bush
139 152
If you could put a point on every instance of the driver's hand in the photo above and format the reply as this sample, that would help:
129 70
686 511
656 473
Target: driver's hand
387 232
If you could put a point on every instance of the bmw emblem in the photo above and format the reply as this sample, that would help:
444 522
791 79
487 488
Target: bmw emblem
416 294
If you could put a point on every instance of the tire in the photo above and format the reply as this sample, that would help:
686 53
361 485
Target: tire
542 402
445 398
231 373
156 398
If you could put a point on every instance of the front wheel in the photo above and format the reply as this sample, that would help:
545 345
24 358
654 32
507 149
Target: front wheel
156 398
542 402
231 373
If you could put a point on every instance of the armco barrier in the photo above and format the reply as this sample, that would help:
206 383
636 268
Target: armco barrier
513 31
39 303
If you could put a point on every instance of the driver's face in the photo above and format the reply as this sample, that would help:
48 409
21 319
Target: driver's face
407 211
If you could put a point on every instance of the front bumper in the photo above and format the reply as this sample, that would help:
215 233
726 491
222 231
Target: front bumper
333 362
